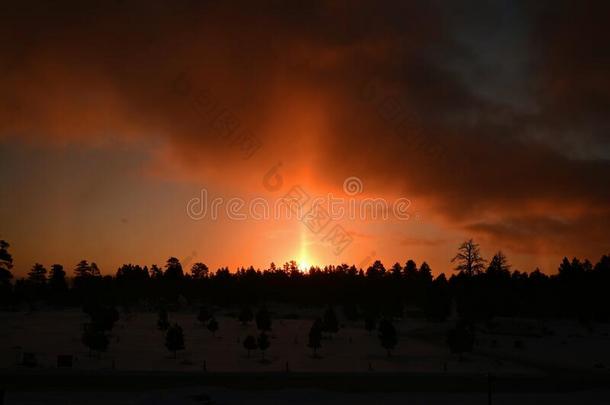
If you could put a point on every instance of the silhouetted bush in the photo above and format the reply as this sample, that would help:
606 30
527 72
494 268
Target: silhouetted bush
213 326
263 343
174 339
369 324
330 324
263 320
246 315
387 335
163 321
204 315
461 338
250 344
95 339
315 336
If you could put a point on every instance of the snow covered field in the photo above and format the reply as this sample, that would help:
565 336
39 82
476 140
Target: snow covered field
137 346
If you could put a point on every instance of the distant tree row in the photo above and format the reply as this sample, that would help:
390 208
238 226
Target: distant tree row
478 290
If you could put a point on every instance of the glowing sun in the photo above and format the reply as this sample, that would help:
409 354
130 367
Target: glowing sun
304 265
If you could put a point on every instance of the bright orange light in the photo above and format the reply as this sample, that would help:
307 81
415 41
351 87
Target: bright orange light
304 261
304 265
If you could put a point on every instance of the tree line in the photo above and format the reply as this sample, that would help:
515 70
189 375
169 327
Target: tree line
478 289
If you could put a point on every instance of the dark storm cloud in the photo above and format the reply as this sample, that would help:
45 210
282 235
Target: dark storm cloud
538 233
401 113
571 68
484 163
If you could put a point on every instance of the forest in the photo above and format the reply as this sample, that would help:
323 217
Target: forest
477 291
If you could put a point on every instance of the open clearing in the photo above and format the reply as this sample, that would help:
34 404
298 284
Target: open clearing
138 369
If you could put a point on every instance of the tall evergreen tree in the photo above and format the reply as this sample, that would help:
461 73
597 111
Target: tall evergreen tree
58 287
6 264
83 270
425 274
38 274
376 270
410 270
94 270
498 266
469 258
199 271
173 269
397 270
155 272
57 277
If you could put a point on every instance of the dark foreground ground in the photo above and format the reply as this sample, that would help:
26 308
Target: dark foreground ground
73 387
571 366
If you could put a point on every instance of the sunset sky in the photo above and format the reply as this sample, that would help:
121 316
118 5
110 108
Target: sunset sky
491 118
